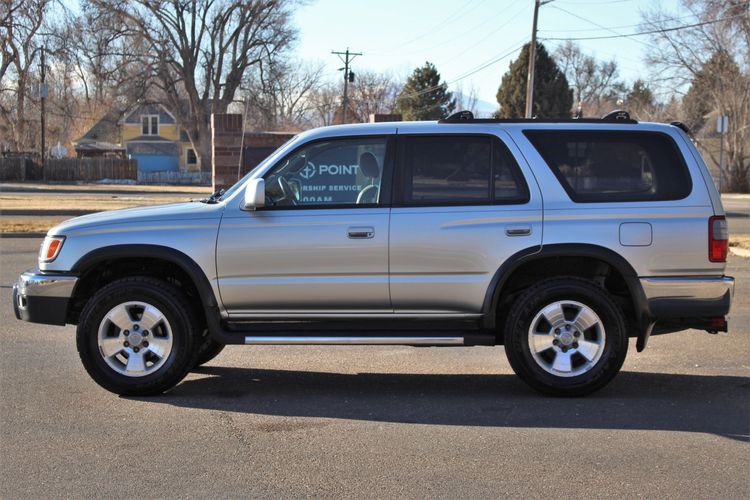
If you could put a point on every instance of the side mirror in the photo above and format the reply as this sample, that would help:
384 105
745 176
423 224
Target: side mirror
255 194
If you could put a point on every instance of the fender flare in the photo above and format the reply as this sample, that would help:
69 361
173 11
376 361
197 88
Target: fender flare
184 262
644 319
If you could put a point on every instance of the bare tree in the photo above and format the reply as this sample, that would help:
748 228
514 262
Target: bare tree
466 101
680 56
595 84
200 51
19 49
325 101
277 95
373 93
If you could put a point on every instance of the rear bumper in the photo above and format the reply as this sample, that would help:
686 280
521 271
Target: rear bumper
688 297
43 298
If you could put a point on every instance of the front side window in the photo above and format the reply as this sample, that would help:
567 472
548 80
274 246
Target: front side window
339 172
460 170
610 166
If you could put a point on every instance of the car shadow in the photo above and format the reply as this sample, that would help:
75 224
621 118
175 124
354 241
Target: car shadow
633 401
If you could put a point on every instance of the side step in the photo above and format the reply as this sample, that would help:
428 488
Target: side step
349 340
300 336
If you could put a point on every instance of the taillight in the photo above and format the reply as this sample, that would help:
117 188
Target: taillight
718 239
50 248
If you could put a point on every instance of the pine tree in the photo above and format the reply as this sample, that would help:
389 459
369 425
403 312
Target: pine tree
424 97
553 98
700 99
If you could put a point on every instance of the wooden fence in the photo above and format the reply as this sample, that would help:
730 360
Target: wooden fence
68 169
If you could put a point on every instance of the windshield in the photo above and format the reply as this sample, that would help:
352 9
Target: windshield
237 185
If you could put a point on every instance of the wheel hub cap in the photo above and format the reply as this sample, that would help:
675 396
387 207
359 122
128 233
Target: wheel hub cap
135 339
566 338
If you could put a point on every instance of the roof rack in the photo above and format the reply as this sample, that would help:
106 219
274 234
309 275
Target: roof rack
617 116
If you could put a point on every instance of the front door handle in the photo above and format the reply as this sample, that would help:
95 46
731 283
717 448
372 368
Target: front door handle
361 233
518 230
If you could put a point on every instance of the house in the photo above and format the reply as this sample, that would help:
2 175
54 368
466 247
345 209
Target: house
148 133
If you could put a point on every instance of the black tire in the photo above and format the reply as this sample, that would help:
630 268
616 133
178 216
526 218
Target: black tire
207 350
526 308
172 303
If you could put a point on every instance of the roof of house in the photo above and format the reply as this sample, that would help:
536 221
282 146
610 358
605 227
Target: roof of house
106 130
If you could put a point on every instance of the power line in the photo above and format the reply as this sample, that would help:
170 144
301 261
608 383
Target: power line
594 23
484 65
649 32
496 30
472 30
460 12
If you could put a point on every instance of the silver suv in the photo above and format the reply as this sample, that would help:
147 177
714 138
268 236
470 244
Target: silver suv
557 239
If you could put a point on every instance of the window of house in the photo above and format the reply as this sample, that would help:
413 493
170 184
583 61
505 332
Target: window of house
191 157
458 170
609 166
150 124
340 172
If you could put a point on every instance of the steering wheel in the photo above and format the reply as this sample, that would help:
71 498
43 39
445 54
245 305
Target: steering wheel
287 193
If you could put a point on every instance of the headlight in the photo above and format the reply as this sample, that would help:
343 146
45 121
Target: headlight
51 248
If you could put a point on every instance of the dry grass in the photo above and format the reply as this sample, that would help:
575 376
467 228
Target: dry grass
90 202
135 188
31 225
740 241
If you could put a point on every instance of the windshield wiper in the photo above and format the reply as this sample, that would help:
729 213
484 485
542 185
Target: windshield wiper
214 198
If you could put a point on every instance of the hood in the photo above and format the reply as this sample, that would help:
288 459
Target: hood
170 212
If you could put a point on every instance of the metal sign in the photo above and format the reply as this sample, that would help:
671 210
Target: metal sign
722 124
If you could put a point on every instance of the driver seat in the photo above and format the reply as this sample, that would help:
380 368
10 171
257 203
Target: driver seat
369 167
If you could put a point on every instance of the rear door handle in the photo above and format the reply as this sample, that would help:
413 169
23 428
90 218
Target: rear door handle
361 233
518 230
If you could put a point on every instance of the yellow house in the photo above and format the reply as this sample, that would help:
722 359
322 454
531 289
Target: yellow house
150 134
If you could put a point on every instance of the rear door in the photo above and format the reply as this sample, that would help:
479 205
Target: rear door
463 204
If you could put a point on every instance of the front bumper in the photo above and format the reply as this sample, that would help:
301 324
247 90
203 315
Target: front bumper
688 297
43 298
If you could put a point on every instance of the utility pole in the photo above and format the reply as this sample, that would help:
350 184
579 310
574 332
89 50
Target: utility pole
532 60
43 98
348 75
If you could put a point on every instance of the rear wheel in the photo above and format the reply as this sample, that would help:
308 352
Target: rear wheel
136 336
566 337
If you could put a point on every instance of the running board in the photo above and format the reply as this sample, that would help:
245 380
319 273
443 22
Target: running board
311 340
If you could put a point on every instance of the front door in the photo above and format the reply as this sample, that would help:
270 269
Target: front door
320 245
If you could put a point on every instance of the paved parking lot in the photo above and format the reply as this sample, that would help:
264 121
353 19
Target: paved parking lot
374 422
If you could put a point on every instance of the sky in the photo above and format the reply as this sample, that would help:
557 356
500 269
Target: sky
461 36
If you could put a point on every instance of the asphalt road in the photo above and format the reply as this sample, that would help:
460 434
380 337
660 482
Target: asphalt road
374 421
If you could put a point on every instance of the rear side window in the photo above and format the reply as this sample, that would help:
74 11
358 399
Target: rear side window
607 165
460 170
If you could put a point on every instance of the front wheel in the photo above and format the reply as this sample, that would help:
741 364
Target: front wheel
136 336
566 337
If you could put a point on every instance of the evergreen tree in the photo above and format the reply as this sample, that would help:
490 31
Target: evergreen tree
424 97
707 83
553 98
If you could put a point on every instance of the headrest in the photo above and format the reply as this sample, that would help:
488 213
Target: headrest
368 165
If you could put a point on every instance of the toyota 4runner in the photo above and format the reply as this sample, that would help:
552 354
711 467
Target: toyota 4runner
557 239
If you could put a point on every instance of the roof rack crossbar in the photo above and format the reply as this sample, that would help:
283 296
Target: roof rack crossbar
617 116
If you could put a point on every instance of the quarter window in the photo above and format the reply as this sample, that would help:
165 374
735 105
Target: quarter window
460 170
610 166
329 173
